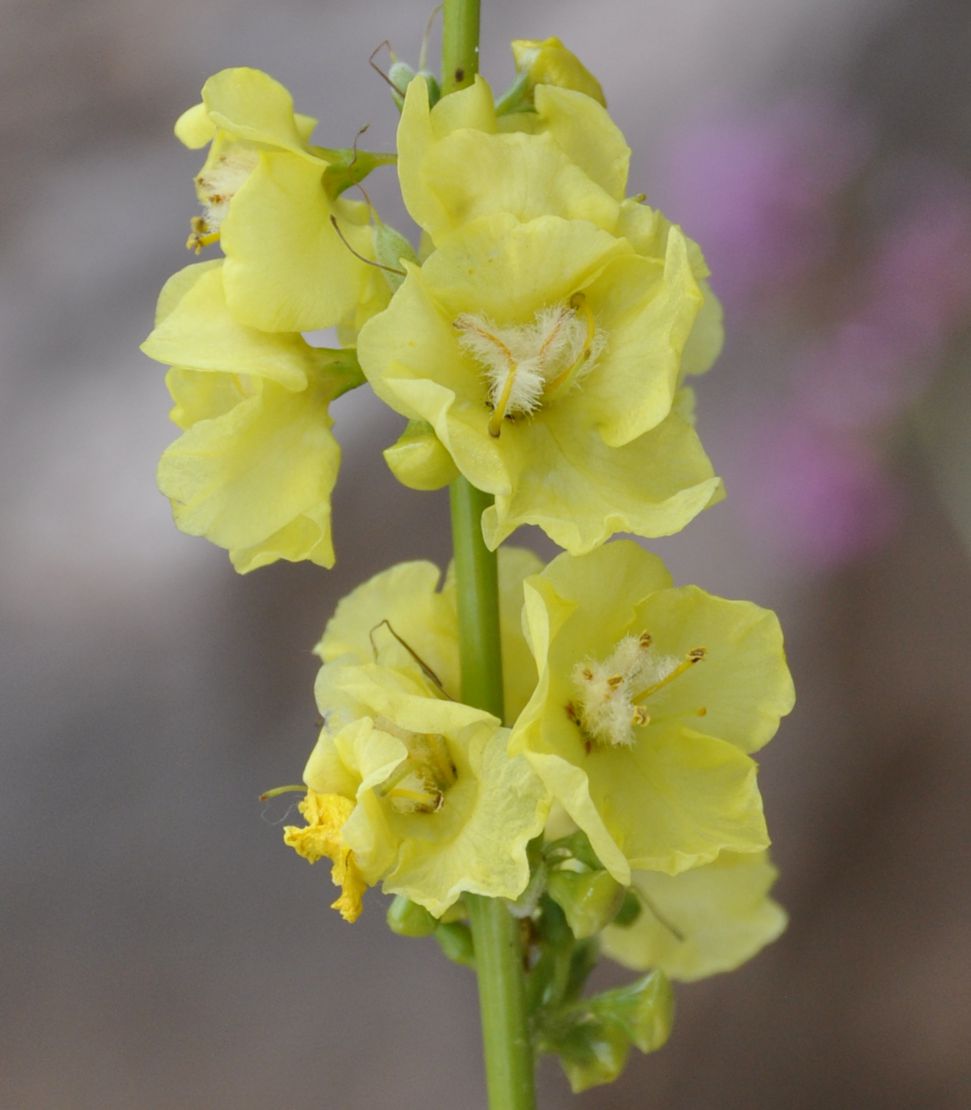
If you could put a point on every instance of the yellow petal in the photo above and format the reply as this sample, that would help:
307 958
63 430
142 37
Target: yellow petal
286 266
701 922
257 479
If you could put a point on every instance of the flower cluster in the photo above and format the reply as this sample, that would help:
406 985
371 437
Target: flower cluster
538 340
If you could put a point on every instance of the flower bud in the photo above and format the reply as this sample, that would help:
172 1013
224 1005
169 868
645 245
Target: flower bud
548 62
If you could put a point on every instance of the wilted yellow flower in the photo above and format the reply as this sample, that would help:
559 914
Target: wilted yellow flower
254 469
320 838
701 922
269 200
546 357
649 699
439 807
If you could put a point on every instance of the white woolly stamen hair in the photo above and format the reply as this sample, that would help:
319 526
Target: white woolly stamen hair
217 184
522 363
607 692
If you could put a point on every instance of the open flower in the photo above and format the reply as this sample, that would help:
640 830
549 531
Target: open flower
435 807
255 466
701 922
649 699
546 357
268 199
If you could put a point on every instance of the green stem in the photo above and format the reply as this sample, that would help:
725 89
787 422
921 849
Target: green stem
495 933
477 577
460 44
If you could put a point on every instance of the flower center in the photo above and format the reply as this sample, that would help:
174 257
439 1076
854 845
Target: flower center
610 694
526 365
420 782
216 185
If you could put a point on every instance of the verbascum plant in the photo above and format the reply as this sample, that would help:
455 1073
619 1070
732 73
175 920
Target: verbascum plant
542 765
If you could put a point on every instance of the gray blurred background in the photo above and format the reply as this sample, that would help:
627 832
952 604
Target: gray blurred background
161 948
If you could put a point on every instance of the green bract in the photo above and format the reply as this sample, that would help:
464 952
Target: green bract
648 698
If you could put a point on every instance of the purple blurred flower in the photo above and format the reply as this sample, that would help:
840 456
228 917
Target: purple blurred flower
823 497
752 188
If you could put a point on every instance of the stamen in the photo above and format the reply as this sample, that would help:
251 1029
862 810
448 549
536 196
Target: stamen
607 709
200 236
523 363
578 303
694 656
468 324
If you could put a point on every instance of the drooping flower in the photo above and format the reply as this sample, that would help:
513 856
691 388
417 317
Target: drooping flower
437 807
269 197
700 922
254 468
546 357
649 699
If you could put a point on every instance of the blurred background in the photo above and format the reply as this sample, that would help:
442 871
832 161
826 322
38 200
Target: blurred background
161 946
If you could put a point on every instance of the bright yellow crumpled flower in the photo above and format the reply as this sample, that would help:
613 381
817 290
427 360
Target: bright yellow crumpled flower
545 356
548 62
256 464
701 922
439 806
649 700
320 838
268 199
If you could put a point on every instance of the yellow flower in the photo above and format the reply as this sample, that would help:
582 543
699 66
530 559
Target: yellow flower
255 466
269 200
401 620
548 62
454 165
439 807
546 357
648 702
700 922
326 815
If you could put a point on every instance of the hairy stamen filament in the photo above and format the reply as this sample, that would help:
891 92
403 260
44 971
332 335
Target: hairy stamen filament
578 304
467 323
694 656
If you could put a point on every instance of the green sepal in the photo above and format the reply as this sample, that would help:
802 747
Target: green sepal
550 978
592 1037
391 248
408 919
589 899
401 75
575 846
455 940
348 166
630 910
517 98
342 368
